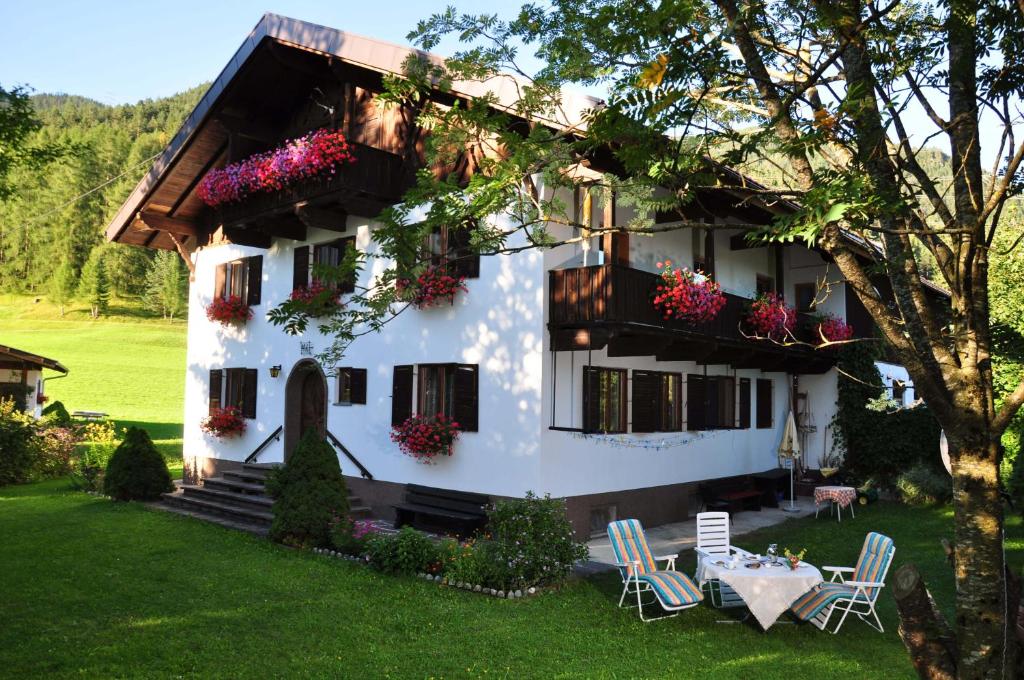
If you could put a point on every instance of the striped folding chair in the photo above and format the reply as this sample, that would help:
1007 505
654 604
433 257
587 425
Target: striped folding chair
673 590
857 595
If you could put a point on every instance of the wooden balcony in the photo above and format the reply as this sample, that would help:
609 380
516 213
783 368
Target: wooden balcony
611 306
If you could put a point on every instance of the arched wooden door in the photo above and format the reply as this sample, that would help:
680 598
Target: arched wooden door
305 403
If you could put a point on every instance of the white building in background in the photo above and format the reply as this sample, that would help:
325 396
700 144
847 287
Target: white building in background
22 379
564 378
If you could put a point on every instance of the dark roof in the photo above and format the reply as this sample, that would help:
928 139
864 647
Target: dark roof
33 359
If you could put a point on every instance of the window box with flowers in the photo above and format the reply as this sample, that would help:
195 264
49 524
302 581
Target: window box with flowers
686 295
771 318
224 423
830 328
42 399
319 300
434 287
228 310
426 437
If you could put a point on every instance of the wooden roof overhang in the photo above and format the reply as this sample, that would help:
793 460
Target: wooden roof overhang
19 359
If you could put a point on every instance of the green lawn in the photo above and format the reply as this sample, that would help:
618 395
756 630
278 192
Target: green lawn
97 589
126 364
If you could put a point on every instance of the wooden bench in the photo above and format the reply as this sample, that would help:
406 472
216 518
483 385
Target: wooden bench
732 494
442 510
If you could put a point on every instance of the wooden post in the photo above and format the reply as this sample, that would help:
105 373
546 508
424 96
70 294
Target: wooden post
923 629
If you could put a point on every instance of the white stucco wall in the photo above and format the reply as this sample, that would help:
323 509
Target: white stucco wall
894 372
34 380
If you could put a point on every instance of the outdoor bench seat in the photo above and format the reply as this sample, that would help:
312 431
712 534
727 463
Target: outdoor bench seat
442 510
731 494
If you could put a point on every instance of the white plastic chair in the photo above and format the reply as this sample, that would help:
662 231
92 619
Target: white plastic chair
713 544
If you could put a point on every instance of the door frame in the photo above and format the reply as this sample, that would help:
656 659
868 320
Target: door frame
293 395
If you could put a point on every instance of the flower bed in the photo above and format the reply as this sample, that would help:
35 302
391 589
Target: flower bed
318 153
832 329
770 317
686 295
426 437
224 423
431 288
228 310
318 299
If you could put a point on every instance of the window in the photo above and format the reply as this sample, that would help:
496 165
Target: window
765 391
604 399
704 250
805 294
241 278
765 284
710 402
328 254
449 248
657 401
449 389
234 387
744 403
351 386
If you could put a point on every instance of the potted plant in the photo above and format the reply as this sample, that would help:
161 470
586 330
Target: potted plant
317 153
432 287
690 296
830 328
229 310
770 317
224 423
318 299
426 437
793 559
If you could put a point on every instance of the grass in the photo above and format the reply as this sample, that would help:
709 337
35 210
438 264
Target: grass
118 590
127 364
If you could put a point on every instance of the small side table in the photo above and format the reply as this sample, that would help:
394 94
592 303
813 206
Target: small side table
838 497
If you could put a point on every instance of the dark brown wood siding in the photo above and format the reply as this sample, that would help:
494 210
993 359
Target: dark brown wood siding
646 401
249 391
300 272
764 403
696 403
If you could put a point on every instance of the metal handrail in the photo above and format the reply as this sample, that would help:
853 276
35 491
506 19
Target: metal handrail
341 447
276 434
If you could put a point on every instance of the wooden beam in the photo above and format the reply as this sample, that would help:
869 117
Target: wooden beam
322 217
740 242
246 237
637 346
184 255
248 128
282 226
171 225
686 351
576 339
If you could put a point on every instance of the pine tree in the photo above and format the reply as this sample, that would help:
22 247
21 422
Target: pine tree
62 285
165 286
94 286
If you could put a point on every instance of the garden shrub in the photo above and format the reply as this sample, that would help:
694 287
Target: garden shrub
56 414
309 493
533 541
922 485
473 562
52 448
350 537
407 552
136 471
93 453
17 451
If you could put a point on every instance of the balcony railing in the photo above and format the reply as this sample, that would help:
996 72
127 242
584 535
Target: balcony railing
614 294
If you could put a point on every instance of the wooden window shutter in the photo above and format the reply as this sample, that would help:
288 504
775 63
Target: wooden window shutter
220 281
401 394
466 400
249 392
465 261
348 284
695 403
216 388
712 396
591 399
646 401
300 275
255 288
358 385
744 403
764 403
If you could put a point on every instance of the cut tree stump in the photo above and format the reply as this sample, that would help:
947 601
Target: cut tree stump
923 628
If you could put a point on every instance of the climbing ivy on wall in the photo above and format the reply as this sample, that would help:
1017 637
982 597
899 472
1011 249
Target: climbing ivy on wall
878 444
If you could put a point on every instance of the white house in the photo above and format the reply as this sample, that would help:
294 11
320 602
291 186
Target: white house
542 360
21 378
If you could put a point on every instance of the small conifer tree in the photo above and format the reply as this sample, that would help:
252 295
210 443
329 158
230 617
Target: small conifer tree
137 471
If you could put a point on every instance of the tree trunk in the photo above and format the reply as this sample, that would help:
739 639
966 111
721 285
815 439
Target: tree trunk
923 628
979 566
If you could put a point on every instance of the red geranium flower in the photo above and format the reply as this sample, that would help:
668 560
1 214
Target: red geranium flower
689 296
770 317
228 310
224 422
424 437
832 329
433 287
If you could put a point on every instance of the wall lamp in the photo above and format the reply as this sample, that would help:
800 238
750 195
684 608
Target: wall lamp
275 371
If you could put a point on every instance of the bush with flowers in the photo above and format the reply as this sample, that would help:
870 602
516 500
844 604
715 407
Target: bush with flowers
350 536
686 295
224 422
231 309
770 317
425 437
318 153
433 287
318 299
832 329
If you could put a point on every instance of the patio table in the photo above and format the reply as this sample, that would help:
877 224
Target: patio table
767 591
838 496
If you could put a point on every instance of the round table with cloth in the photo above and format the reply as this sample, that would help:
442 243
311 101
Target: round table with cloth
767 591
838 497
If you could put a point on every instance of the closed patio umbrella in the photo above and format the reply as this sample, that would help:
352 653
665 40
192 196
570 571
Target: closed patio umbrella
789 449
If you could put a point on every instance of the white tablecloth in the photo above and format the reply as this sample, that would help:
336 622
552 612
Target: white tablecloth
768 591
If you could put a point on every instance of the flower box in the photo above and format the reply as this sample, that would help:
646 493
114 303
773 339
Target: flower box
228 310
42 399
224 423
690 296
318 299
433 287
426 437
770 318
830 328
